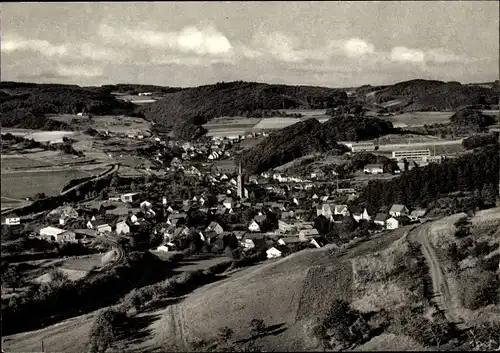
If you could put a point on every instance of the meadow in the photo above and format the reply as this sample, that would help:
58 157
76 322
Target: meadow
27 184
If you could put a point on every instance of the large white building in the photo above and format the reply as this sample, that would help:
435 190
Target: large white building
411 155
360 146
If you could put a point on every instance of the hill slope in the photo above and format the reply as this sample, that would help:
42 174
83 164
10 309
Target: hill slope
291 293
428 95
308 137
236 98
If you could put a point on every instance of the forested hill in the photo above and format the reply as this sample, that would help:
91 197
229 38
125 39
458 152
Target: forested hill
237 98
308 137
24 105
428 95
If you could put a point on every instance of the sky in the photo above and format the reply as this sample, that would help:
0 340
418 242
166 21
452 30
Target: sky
333 44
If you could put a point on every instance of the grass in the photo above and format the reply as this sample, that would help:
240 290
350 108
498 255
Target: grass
391 342
19 162
28 184
82 263
290 292
68 336
420 118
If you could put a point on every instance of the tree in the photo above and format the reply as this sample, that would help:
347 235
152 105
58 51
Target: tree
489 194
479 289
105 329
257 326
225 333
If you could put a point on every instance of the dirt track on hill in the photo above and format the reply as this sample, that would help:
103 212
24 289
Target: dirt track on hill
441 292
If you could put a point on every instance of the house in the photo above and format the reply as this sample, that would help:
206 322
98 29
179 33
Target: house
380 219
166 247
398 210
305 234
176 217
228 203
103 228
252 240
373 169
341 210
129 197
216 227
317 242
12 221
210 237
283 226
362 216
289 240
392 223
273 253
254 226
122 228
220 211
57 234
417 214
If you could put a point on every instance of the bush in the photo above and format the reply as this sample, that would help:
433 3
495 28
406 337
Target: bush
479 289
105 329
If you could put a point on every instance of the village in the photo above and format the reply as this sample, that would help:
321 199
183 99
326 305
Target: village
272 213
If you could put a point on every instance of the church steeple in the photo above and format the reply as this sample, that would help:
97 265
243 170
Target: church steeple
240 187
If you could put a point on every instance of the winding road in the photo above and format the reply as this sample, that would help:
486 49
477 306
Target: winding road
441 293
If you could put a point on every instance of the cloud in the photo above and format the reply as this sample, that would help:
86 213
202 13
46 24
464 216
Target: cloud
42 46
403 54
206 41
67 72
355 47
83 50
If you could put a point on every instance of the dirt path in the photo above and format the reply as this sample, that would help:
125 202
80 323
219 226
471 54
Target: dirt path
442 295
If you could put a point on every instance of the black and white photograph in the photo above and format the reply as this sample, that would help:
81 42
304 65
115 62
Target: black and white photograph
250 176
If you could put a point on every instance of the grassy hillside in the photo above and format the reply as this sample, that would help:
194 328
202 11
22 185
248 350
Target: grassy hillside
428 95
381 275
308 137
237 98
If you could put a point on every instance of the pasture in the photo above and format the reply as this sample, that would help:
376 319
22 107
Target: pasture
27 184
19 161
112 123
68 336
420 118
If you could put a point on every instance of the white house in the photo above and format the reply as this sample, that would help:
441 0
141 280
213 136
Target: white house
392 223
373 169
12 221
129 197
254 226
341 210
122 228
103 228
56 234
398 210
228 203
215 227
304 234
362 216
273 253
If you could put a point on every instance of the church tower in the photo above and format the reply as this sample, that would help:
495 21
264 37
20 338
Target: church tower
240 187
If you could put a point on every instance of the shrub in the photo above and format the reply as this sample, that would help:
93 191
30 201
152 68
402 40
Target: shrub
225 333
479 289
257 326
105 329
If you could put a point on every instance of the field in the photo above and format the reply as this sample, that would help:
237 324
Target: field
27 184
231 126
68 336
419 118
116 124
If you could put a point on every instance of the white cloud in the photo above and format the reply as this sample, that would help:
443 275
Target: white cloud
403 54
357 47
79 71
206 41
42 46
67 50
